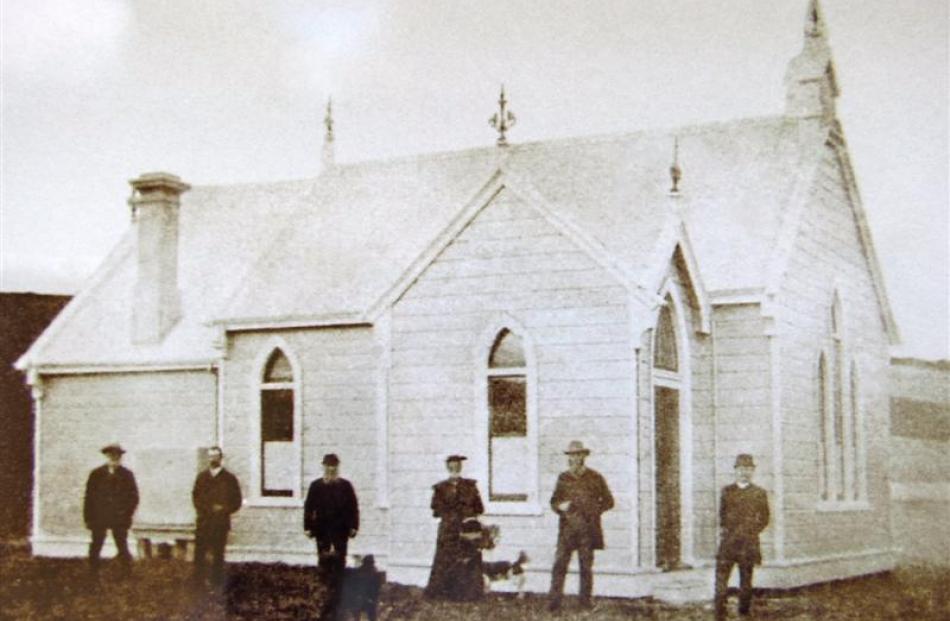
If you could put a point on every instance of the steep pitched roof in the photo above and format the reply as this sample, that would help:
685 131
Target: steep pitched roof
326 249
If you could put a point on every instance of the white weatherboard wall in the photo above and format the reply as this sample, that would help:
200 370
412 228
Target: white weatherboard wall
828 256
510 262
338 400
152 414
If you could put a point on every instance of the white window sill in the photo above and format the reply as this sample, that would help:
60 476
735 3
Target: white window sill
275 501
841 506
512 508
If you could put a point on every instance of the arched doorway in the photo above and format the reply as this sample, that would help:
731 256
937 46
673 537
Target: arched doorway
667 440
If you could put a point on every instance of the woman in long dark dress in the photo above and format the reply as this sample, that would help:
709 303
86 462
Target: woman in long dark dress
457 567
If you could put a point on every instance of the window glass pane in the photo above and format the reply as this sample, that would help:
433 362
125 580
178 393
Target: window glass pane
278 469
507 351
665 349
507 406
278 368
277 415
509 464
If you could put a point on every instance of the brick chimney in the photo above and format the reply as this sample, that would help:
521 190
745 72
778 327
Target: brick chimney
154 205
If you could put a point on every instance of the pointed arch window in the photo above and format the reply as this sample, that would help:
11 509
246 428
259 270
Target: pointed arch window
278 457
664 352
823 399
841 473
510 436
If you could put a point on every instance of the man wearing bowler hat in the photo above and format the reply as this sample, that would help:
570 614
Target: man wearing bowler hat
580 497
743 514
331 515
110 500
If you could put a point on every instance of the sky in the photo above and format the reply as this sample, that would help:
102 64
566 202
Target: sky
94 93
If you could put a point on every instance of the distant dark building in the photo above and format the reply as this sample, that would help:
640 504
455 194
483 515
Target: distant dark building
23 316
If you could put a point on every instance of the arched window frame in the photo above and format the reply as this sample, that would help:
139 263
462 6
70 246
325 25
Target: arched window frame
858 436
823 402
681 380
258 385
531 505
842 466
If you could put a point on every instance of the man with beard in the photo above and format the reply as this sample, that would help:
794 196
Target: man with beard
216 495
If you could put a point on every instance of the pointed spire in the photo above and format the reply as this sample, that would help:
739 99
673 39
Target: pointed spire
328 151
675 173
811 87
503 120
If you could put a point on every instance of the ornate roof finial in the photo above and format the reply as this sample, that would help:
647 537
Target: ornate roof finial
503 120
814 25
810 83
328 119
328 154
675 173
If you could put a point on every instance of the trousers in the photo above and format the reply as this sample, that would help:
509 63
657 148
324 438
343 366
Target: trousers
213 541
723 571
120 536
566 545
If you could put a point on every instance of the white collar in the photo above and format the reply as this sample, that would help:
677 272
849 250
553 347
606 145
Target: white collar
743 485
215 471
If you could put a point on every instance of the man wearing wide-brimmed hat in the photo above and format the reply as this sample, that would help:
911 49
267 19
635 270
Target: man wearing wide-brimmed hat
743 514
580 497
110 500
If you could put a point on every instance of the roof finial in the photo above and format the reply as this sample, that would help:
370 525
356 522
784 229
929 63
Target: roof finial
675 173
328 154
814 25
503 120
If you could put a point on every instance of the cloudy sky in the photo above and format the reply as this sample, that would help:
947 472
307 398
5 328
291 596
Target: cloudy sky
96 92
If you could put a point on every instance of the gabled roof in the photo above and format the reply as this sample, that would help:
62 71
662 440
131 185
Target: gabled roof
325 250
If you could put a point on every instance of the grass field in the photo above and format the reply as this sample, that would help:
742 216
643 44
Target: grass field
61 589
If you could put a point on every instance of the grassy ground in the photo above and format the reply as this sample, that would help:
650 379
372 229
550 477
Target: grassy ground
61 589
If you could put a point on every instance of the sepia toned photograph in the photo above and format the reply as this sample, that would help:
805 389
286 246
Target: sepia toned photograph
466 310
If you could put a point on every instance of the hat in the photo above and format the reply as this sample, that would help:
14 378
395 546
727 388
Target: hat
455 458
744 460
112 449
330 459
576 447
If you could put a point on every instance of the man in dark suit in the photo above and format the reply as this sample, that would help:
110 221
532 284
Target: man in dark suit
580 497
331 515
743 514
110 500
216 495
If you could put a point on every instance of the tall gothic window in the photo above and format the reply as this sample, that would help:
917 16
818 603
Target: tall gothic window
823 401
664 353
841 473
279 456
508 447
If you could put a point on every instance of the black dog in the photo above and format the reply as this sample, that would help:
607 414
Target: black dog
361 586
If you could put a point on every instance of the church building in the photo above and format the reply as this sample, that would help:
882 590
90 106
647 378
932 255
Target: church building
669 298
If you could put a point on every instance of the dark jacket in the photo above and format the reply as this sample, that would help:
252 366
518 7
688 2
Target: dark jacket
743 514
589 497
331 509
110 499
209 491
456 499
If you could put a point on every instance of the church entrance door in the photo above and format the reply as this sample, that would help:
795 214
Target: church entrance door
667 446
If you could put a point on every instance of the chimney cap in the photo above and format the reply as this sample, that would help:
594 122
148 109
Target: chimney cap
159 181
